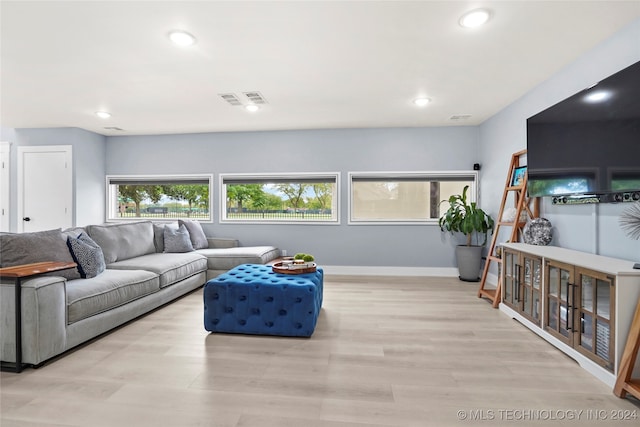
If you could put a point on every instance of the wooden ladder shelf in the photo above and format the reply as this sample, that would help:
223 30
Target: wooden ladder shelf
624 383
522 203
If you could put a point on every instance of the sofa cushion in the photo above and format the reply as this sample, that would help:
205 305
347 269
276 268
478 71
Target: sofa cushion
228 258
177 240
110 289
87 254
171 267
40 246
196 233
123 240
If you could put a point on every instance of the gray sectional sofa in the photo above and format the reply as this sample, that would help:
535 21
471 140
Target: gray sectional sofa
63 309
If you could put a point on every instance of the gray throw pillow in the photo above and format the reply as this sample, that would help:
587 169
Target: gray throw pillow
40 246
198 238
158 234
87 254
73 232
177 240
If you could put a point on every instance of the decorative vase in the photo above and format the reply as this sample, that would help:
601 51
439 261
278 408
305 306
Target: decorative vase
538 232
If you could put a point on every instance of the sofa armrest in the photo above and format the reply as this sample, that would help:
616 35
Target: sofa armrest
44 319
221 242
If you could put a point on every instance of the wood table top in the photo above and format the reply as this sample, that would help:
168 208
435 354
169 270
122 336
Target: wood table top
27 270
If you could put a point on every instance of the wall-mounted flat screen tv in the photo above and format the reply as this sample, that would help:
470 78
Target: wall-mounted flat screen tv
587 147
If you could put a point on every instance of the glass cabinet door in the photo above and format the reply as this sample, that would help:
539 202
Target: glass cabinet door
594 337
510 279
522 284
531 287
576 305
559 319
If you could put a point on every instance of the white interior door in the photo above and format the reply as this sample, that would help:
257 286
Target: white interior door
45 187
5 188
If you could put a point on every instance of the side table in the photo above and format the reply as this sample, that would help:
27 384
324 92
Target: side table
18 273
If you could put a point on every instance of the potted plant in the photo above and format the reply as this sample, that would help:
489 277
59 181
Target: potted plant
467 218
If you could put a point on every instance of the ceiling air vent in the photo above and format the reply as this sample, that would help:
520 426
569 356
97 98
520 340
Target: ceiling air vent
230 98
460 117
255 97
113 128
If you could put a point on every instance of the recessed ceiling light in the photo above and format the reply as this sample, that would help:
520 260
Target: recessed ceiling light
182 38
598 96
103 114
421 102
252 108
475 18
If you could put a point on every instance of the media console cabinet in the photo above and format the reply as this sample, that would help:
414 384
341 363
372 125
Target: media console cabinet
581 303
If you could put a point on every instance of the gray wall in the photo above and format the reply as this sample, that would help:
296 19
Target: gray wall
589 228
336 150
88 168
7 134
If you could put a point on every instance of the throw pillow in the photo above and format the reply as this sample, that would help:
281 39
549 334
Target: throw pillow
198 238
177 240
158 234
87 254
73 232
39 246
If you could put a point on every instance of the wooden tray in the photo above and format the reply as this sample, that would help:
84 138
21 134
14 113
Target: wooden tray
278 267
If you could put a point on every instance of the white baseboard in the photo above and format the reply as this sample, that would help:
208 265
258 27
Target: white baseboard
351 270
348 270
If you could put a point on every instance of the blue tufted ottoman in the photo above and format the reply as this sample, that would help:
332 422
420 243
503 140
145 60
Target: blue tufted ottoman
252 299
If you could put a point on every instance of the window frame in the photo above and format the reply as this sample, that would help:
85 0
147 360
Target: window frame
111 196
251 178
470 175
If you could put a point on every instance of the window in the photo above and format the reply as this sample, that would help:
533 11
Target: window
166 197
282 198
404 197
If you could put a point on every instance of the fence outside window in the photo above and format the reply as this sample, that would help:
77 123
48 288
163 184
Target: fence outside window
159 197
282 198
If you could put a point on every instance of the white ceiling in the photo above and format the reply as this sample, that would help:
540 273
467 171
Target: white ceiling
319 64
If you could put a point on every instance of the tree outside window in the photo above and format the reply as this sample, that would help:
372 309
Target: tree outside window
154 198
280 198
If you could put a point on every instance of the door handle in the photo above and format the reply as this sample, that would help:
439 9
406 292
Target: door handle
569 307
26 218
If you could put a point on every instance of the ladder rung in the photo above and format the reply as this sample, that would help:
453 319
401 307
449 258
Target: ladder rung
512 224
633 387
488 293
494 258
515 188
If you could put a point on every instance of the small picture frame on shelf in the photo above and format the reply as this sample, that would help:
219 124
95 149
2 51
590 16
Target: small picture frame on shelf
518 176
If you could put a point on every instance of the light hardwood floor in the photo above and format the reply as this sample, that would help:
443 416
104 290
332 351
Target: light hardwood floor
387 351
